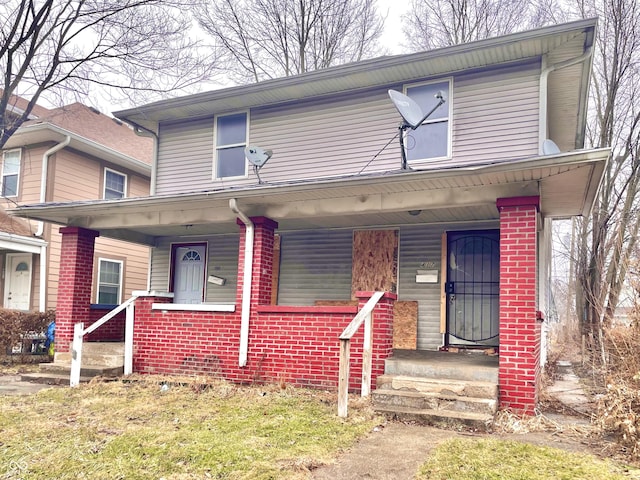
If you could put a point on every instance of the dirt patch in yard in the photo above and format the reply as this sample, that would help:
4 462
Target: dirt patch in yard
395 450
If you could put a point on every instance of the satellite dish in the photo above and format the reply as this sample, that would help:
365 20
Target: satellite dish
549 147
412 115
408 108
257 157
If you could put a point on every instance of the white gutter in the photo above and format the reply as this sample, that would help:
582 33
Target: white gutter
246 282
42 297
543 133
45 174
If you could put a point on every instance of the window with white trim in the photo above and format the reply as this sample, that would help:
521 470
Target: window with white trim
115 184
109 281
230 142
433 138
10 172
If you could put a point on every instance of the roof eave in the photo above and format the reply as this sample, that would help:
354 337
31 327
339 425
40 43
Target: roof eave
288 88
57 134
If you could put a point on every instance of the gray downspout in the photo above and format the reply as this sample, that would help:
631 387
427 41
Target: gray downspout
544 75
145 132
246 282
42 298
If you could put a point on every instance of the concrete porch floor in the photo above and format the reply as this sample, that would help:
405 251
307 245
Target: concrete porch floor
464 365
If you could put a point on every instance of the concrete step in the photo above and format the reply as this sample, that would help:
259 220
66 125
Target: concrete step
50 378
488 390
109 354
465 367
433 401
439 418
87 370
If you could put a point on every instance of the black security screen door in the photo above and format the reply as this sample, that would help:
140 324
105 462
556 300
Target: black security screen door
472 288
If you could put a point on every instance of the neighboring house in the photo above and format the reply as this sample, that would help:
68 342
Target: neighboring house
460 240
60 155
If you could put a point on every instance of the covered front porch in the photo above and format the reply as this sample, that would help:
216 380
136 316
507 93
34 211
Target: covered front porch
258 318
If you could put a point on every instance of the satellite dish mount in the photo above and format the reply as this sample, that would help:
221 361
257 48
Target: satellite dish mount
412 116
257 157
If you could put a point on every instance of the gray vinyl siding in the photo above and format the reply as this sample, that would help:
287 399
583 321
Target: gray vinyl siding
185 156
495 117
315 265
418 245
222 261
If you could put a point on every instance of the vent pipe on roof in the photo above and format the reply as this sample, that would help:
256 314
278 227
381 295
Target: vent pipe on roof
45 174
543 132
246 282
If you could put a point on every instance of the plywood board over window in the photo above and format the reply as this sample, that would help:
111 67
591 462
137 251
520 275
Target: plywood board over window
405 325
375 261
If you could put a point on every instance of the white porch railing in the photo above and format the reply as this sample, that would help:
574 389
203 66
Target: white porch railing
79 332
363 316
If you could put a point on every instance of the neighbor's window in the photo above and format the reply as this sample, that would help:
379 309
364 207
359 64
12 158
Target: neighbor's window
115 184
10 172
433 138
109 281
230 140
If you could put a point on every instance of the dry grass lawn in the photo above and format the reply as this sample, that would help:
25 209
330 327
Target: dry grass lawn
142 430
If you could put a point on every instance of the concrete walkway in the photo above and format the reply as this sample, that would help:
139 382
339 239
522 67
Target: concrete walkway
13 385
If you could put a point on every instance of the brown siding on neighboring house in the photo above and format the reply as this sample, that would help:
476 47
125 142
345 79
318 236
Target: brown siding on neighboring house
80 177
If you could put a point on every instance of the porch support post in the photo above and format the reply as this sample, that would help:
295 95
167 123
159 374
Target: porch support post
74 283
263 243
519 367
261 276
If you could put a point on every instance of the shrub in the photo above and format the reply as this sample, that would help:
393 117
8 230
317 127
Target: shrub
619 408
16 326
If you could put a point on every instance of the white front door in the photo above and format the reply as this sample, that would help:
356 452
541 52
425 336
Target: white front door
188 281
17 281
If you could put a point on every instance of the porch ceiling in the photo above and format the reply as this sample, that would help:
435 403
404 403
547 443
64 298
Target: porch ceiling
566 183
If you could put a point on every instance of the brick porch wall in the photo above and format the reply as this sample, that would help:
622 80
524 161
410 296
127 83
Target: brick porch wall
112 331
520 331
74 284
297 345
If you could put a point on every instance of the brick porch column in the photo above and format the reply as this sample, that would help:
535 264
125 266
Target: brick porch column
382 331
520 331
262 277
74 283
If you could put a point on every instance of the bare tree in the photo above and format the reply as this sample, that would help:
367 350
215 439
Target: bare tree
610 236
61 46
440 23
262 39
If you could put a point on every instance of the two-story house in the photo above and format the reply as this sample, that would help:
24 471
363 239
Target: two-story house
60 155
255 278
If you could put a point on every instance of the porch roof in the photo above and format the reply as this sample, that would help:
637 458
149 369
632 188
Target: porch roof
566 183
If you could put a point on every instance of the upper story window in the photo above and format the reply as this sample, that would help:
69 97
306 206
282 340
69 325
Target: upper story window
433 138
115 184
109 281
230 140
10 172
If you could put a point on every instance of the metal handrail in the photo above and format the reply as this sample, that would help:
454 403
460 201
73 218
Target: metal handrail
79 332
363 316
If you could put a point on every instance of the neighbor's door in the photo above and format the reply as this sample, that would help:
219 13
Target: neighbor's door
17 286
189 270
472 288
